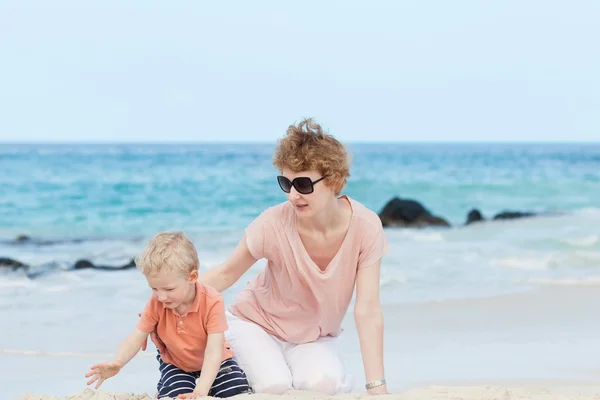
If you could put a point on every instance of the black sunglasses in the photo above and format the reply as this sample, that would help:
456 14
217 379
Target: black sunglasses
303 185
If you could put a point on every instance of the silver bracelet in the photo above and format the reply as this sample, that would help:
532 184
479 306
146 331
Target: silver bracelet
375 384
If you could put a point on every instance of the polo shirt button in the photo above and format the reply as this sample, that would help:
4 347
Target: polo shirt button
180 322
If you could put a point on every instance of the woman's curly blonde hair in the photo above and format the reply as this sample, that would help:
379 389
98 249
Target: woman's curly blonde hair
305 147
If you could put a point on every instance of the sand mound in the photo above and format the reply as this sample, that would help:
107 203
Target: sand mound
427 393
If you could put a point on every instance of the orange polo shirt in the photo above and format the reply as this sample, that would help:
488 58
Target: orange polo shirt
184 337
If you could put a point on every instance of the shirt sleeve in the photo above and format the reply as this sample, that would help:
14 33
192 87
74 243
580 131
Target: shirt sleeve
373 247
255 237
149 318
215 316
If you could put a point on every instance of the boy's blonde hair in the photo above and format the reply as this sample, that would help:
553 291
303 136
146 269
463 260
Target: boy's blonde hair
305 147
168 252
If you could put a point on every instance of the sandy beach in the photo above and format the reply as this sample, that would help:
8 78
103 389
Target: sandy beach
474 392
536 345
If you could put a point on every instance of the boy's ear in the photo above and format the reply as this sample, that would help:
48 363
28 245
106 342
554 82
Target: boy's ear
193 276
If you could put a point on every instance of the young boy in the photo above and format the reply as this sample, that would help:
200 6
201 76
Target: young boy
187 320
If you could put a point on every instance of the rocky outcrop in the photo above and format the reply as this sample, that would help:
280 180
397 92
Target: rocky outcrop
475 215
514 215
83 264
408 213
28 240
13 264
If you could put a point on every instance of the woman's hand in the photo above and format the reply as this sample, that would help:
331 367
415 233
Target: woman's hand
101 372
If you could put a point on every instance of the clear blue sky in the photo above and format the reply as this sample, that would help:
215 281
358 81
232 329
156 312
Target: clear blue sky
143 70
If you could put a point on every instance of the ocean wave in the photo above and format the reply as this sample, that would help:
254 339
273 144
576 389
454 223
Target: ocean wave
588 281
568 259
417 235
589 211
523 262
15 282
582 241
390 281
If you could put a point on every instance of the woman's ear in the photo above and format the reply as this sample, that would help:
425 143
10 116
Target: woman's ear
337 185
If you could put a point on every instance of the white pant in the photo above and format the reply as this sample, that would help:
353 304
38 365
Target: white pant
274 366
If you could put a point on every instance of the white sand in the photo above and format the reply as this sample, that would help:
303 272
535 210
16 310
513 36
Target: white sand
482 392
540 345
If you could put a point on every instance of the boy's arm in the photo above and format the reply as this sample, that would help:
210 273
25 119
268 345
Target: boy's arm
127 349
130 346
213 356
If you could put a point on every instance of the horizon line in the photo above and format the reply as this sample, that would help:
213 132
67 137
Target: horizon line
208 142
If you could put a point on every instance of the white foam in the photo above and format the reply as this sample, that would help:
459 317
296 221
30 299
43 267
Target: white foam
18 282
417 235
387 281
429 237
582 241
525 262
591 257
589 211
588 281
71 277
471 256
56 289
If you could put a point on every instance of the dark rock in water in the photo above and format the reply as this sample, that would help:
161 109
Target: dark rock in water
409 213
28 240
474 216
130 264
513 215
42 242
46 268
14 264
83 264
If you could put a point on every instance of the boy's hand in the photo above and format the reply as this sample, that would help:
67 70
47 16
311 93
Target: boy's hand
101 372
193 395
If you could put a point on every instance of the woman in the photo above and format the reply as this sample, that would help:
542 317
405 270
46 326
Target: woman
319 246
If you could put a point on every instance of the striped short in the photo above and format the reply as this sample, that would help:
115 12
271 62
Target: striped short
230 380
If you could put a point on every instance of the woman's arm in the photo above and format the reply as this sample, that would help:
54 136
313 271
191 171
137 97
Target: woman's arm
369 324
226 274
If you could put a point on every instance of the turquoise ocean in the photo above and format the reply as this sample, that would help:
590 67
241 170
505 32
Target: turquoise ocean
101 202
